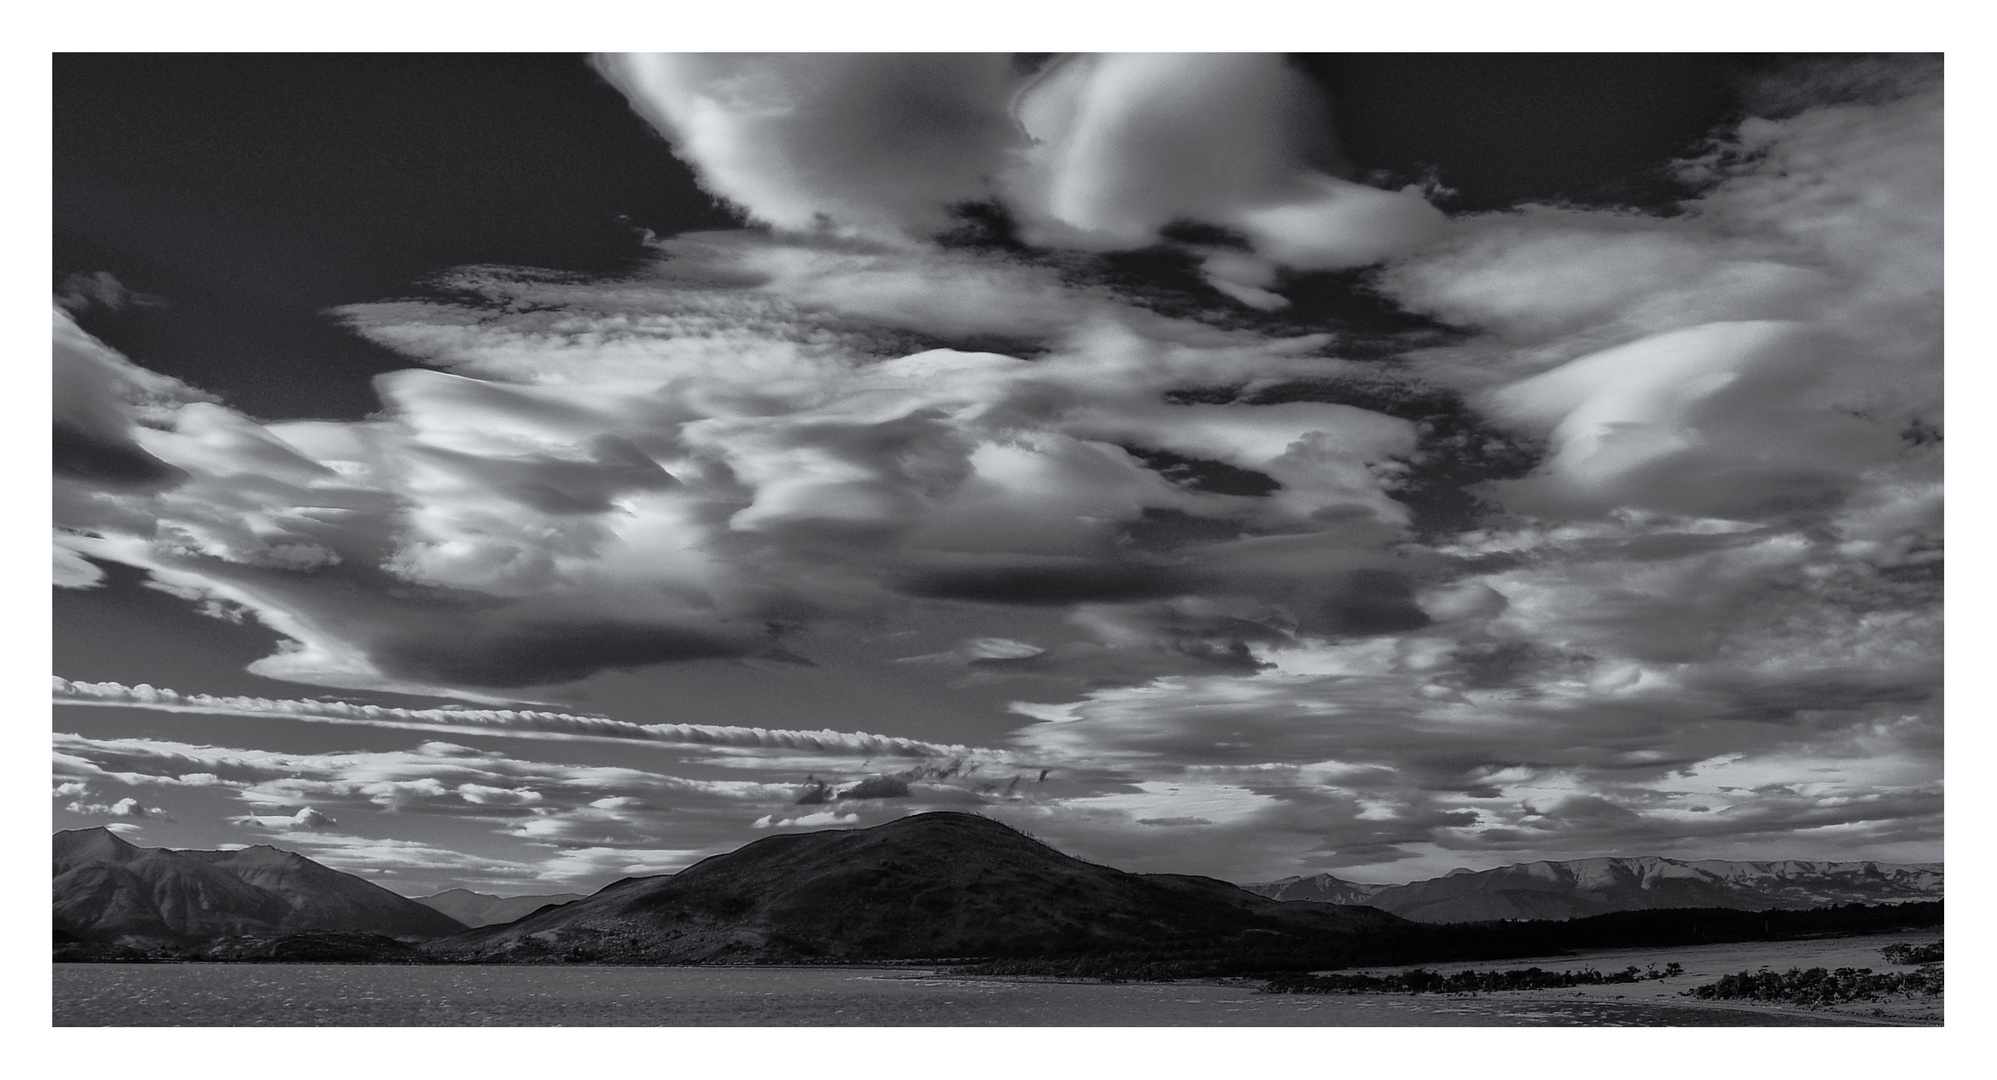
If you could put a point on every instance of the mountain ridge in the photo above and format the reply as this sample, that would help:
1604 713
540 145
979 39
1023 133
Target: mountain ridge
1577 888
934 886
476 909
927 886
109 891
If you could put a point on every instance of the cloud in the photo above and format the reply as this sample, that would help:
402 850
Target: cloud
1121 146
543 520
877 787
1679 422
975 649
558 801
587 865
410 862
874 143
1759 357
1091 152
1643 553
79 292
1389 750
124 808
101 401
515 721
820 820
305 819
529 653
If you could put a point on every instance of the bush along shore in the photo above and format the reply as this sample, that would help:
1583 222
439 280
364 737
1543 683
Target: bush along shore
1423 981
1931 953
1842 986
1822 986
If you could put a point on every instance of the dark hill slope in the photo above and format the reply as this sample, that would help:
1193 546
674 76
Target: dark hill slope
938 885
322 898
107 890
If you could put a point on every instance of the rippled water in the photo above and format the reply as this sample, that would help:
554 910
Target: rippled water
245 995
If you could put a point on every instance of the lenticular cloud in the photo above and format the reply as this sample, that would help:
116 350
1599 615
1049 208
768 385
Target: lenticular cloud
1093 152
1119 147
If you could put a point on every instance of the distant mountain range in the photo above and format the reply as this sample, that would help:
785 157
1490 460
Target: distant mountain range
483 909
111 892
928 886
1584 887
944 886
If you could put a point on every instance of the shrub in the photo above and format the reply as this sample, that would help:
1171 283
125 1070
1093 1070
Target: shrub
1931 953
1423 981
1821 986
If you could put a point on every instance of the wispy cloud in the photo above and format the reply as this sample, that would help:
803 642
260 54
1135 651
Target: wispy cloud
80 292
523 722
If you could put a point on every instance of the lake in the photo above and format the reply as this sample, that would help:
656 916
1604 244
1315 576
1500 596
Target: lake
257 995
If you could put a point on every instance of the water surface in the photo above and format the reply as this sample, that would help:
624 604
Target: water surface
258 995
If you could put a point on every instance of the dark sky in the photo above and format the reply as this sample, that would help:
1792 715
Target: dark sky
257 191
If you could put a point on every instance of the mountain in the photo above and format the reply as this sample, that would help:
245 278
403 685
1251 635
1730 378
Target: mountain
928 886
1584 887
483 909
110 891
1318 889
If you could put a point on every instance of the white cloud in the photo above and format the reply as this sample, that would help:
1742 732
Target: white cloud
876 143
1682 422
124 808
306 819
1124 145
817 820
1097 152
526 723
1760 356
626 493
586 866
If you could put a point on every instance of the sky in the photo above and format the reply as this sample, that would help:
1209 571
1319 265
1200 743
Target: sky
523 472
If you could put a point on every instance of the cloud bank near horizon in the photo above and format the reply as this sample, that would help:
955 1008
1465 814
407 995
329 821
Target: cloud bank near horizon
1643 553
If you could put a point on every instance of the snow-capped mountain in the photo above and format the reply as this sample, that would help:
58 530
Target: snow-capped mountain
1317 888
1582 887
